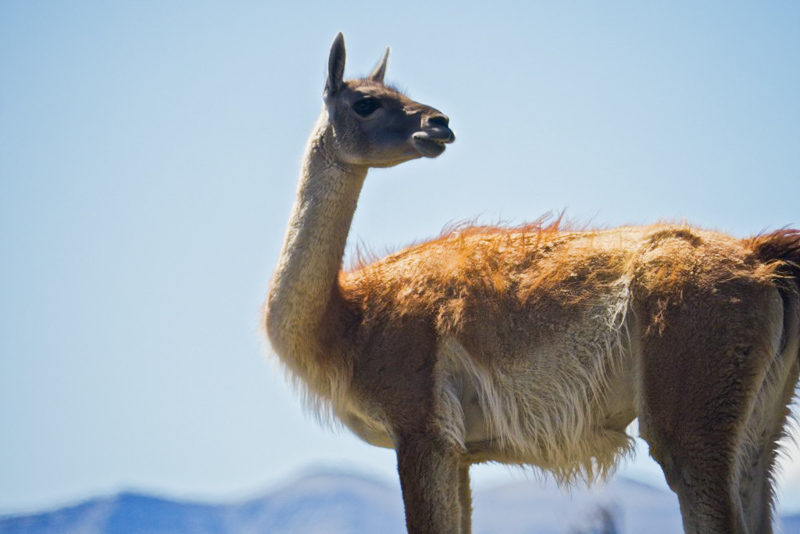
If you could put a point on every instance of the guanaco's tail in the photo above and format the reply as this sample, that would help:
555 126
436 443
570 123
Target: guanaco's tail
782 249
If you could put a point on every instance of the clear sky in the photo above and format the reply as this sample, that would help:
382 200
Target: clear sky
148 161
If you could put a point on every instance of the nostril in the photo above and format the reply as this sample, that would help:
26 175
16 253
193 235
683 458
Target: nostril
438 120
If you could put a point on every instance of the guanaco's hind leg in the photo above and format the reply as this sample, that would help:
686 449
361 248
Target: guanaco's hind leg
754 480
766 425
430 475
704 361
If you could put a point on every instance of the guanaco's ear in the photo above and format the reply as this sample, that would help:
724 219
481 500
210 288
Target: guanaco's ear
380 69
335 67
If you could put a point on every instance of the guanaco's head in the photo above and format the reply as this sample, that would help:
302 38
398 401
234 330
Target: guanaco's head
375 125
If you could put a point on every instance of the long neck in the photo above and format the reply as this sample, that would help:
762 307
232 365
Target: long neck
305 280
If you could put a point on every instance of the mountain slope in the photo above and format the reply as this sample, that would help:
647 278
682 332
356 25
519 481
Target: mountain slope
350 504
330 504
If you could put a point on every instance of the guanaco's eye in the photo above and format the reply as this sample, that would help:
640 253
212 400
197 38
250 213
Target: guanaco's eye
366 106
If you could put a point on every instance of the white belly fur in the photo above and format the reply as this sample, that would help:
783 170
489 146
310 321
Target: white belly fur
563 407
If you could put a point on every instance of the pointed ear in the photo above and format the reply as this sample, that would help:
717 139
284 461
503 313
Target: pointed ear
380 69
335 67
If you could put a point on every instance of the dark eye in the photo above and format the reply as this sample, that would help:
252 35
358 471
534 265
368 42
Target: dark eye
366 106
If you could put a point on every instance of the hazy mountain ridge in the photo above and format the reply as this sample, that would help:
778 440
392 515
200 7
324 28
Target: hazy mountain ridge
335 504
351 504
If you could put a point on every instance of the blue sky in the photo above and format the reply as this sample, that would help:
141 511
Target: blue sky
148 161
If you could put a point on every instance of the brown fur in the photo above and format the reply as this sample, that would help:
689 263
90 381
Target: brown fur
537 344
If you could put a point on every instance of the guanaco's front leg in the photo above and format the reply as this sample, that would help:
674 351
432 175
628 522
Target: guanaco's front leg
429 475
465 498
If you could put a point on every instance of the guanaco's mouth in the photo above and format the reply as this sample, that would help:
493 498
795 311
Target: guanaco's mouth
432 143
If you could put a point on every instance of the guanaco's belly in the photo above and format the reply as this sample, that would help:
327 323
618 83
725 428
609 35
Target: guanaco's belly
600 434
562 406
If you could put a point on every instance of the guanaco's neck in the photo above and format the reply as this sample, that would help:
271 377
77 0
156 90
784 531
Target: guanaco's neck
306 276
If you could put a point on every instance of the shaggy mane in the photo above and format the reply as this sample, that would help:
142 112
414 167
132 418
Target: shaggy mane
545 226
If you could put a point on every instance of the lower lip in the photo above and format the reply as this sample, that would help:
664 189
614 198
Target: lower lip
429 147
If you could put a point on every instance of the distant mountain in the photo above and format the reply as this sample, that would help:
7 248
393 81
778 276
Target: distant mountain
350 504
318 504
